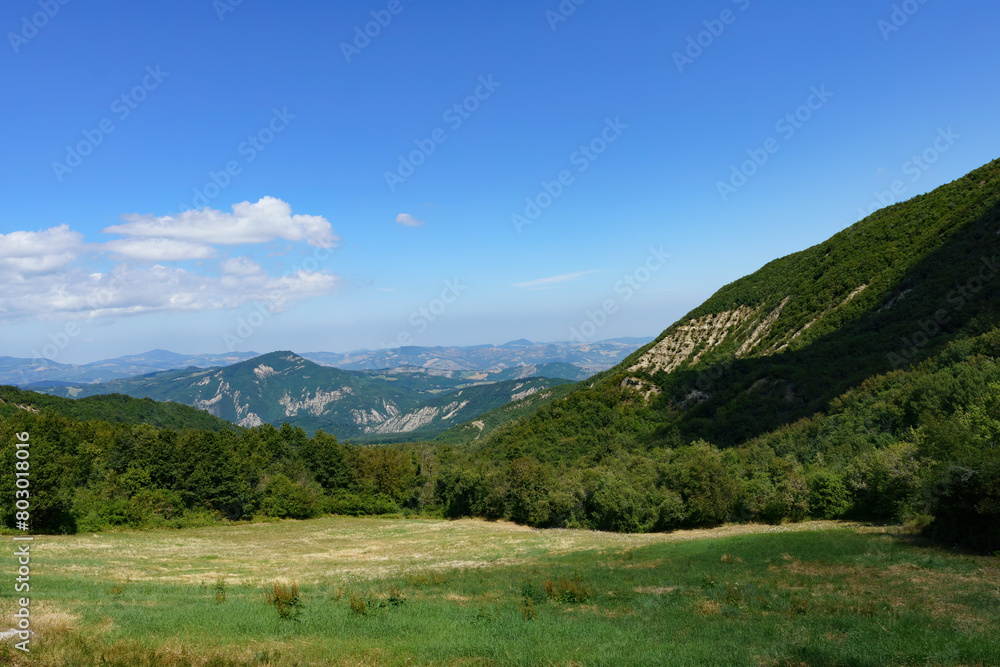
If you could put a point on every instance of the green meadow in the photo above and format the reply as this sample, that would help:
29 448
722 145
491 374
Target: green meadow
393 591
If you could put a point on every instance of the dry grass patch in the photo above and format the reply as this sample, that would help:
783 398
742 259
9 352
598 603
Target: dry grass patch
708 608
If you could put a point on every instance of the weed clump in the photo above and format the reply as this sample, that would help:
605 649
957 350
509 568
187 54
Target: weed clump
358 605
567 589
527 606
285 598
220 591
363 607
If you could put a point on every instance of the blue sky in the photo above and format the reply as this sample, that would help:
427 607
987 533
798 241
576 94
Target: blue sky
199 175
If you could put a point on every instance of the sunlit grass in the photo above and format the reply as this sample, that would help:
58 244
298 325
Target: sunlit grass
371 591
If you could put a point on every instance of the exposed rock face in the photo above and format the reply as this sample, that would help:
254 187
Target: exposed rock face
702 334
762 329
315 404
411 421
251 420
518 395
691 341
264 371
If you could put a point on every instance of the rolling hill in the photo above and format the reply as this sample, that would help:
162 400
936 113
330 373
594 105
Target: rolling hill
111 408
403 403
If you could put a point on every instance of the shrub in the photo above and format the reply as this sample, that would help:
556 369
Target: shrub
706 483
284 498
828 496
884 481
672 513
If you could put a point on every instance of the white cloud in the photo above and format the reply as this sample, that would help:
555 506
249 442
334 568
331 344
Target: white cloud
44 251
159 250
241 266
52 273
133 290
553 281
260 222
408 220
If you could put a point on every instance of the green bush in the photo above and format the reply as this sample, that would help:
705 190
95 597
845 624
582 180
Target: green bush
284 498
828 496
884 481
708 486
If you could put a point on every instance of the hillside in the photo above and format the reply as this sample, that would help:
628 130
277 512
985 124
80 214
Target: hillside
111 408
403 403
782 343
489 421
461 409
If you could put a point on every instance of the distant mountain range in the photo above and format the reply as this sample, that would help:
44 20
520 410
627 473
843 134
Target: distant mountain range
279 387
520 359
590 357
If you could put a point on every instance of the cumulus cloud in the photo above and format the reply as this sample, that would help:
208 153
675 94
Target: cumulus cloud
39 252
260 222
408 220
159 250
53 273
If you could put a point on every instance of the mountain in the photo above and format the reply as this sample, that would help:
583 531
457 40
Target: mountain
780 345
570 361
45 373
431 417
283 387
590 357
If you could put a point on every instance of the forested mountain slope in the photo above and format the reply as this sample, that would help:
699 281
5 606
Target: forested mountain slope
780 344
111 408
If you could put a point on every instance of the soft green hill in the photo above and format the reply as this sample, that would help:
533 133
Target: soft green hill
111 408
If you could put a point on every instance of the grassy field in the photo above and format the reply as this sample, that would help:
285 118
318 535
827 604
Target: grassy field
347 591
